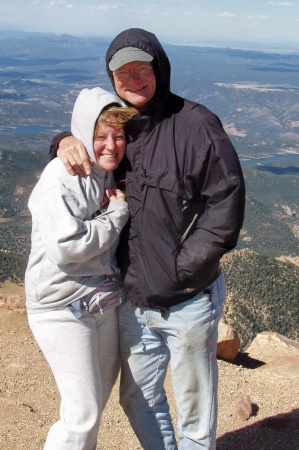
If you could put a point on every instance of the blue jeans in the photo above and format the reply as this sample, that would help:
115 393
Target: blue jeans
187 337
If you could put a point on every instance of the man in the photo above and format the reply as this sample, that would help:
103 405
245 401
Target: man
185 191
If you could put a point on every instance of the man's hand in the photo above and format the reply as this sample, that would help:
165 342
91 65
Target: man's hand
73 154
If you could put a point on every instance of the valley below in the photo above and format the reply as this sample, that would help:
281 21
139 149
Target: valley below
256 96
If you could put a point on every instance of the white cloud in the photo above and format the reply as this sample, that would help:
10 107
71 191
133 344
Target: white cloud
225 14
260 17
188 13
110 7
280 4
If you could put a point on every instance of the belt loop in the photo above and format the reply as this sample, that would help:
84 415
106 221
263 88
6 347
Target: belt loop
208 292
163 312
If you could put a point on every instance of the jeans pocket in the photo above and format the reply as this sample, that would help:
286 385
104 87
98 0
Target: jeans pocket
218 291
221 287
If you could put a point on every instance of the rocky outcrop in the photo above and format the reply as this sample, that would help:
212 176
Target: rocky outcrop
280 355
286 367
270 344
228 344
14 302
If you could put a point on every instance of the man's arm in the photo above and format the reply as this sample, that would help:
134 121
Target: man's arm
55 143
72 153
217 230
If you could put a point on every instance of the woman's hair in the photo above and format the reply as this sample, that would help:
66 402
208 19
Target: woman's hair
115 116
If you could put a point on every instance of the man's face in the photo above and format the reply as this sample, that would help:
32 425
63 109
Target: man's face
138 88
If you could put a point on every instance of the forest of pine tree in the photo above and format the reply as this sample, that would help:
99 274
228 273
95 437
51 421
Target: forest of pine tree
263 295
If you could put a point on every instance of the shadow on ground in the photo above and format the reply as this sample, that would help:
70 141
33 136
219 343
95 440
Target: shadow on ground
279 432
244 360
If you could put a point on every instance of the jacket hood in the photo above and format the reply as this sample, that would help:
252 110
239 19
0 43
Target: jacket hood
88 106
148 42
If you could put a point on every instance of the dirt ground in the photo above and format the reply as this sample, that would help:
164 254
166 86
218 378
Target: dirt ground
29 401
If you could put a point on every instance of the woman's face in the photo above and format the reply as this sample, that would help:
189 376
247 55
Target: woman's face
109 146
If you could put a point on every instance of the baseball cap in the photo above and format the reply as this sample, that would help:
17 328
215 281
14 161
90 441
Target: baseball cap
126 55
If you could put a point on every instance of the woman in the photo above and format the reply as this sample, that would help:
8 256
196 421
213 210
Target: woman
72 280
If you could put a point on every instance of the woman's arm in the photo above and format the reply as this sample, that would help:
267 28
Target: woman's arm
66 235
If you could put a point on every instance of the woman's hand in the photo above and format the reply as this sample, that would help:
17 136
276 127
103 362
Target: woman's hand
113 194
73 154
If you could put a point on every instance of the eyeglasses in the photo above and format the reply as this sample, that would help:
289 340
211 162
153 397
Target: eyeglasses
140 71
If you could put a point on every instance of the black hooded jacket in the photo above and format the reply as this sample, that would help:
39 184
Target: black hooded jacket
184 187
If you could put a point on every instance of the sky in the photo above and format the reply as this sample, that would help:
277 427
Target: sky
193 22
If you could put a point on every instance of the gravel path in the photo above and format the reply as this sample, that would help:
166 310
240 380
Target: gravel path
29 400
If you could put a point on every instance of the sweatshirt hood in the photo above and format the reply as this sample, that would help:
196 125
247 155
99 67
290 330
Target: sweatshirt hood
148 42
88 106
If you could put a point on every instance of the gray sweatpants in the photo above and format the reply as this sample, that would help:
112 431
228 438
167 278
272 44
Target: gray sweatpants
83 355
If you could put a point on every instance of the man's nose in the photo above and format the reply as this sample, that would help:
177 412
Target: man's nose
134 76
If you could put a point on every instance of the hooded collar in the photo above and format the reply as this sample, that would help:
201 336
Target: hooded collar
88 106
148 42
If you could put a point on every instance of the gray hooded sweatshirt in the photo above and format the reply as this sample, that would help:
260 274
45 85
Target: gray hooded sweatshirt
73 243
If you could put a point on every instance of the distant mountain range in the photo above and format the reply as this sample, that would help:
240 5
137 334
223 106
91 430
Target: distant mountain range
255 94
